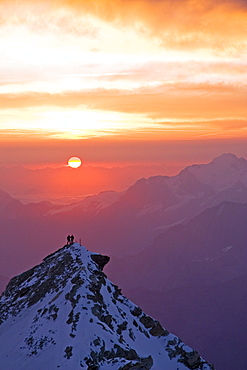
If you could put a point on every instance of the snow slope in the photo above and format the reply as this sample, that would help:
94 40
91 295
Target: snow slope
223 172
65 313
91 204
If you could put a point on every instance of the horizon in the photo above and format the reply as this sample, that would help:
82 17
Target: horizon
171 166
174 153
42 184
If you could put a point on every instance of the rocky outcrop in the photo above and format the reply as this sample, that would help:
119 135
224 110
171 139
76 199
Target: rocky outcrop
154 325
100 260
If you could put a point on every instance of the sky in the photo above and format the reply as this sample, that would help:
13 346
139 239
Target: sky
120 82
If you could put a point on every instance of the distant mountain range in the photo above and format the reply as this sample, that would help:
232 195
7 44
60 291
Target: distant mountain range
182 237
150 206
64 185
65 313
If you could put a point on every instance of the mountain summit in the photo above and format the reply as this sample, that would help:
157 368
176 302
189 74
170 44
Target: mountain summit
222 173
65 313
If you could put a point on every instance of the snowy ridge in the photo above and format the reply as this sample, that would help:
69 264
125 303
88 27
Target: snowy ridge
222 173
65 313
91 204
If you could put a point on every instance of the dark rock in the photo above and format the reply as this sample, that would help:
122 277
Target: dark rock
136 311
120 351
77 280
96 341
135 323
148 362
147 321
122 327
91 365
158 330
100 260
97 311
142 364
97 297
23 291
117 292
193 360
131 355
71 316
68 352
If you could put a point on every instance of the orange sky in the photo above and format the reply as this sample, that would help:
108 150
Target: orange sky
119 80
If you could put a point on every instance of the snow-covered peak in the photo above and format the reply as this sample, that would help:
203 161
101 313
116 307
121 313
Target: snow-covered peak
65 313
230 160
226 158
222 173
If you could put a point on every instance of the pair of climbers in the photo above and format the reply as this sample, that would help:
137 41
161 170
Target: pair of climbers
70 239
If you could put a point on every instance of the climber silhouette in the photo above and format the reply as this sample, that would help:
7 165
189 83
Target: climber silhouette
72 239
68 239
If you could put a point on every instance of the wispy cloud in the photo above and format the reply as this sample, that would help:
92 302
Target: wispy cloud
174 100
187 24
183 24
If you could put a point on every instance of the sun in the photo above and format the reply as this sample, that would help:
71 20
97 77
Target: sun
74 162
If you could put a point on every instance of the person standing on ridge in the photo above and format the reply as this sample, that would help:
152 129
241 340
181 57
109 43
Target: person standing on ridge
72 239
68 239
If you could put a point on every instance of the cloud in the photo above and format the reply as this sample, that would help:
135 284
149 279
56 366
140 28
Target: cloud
168 100
41 18
170 112
220 25
181 24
